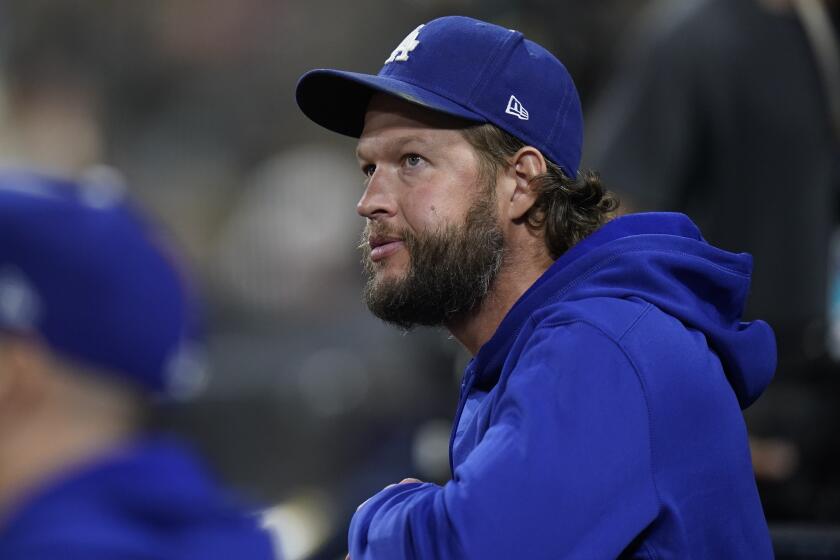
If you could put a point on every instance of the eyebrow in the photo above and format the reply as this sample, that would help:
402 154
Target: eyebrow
399 143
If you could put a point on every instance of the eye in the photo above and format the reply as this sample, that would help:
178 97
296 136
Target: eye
368 169
412 160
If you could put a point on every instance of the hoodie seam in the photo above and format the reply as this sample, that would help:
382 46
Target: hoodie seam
642 386
642 315
595 268
517 329
601 264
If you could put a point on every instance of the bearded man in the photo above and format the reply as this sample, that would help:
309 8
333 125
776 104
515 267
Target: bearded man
600 416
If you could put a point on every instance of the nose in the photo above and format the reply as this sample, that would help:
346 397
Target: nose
377 201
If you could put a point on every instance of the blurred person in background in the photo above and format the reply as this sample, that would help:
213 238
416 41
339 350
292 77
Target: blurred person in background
601 413
729 110
302 406
96 322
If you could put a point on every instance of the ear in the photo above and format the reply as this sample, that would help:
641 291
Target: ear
23 373
526 164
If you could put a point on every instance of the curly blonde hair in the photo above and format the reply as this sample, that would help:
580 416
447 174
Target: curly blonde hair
566 210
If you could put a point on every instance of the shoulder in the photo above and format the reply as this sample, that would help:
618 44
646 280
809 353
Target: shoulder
102 532
91 536
632 332
573 342
150 500
611 317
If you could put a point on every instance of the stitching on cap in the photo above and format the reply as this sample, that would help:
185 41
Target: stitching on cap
489 69
555 130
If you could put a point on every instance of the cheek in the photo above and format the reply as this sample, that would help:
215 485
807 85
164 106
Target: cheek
444 195
423 210
446 204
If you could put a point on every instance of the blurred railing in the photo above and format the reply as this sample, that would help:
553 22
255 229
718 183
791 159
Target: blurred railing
804 542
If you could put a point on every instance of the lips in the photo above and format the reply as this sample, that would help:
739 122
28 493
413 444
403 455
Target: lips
382 247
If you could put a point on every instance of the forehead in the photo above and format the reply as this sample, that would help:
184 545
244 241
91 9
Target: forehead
389 119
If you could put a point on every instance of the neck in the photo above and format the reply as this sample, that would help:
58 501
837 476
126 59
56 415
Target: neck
522 267
43 449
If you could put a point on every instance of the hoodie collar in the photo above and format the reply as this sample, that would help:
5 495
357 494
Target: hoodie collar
488 362
670 236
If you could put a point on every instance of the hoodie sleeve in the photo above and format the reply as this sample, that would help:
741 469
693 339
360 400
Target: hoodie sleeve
563 470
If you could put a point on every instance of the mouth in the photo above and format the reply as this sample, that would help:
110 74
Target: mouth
382 247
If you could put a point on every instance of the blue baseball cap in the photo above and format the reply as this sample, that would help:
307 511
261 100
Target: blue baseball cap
466 68
81 270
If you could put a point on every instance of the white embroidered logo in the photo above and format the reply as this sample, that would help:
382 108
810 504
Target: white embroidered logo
187 374
408 44
515 108
19 305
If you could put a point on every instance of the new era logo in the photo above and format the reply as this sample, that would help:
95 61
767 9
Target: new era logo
515 108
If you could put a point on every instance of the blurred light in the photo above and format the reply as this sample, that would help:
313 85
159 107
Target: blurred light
430 450
300 525
295 226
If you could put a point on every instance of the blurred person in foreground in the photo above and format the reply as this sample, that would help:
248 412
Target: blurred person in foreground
729 110
95 323
601 413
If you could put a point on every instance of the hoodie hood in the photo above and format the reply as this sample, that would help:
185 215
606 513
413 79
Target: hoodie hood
663 259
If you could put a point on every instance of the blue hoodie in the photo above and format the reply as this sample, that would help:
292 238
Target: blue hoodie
603 418
149 501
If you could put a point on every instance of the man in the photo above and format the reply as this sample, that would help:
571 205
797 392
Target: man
95 321
599 416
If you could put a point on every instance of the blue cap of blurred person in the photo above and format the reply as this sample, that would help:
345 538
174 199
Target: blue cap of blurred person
85 273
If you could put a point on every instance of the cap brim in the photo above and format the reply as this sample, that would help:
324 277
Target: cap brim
338 100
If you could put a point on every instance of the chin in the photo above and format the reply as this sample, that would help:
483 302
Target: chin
393 267
385 275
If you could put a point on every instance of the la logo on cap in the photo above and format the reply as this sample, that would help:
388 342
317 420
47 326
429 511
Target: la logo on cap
408 44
